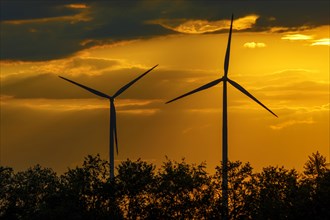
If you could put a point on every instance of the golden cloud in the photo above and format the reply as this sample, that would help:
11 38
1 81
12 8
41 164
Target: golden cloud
140 106
73 66
137 102
278 29
140 111
204 110
321 42
254 45
205 26
291 123
77 6
297 37
54 104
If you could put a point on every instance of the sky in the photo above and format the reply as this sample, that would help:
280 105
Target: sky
279 53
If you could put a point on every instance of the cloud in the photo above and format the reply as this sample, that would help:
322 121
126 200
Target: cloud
205 110
58 29
205 26
310 38
49 86
291 123
54 104
42 41
129 103
81 17
321 42
145 112
32 10
123 106
80 6
78 65
245 22
290 29
254 45
292 71
296 37
40 79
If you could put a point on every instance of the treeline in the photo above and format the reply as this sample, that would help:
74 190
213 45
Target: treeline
177 190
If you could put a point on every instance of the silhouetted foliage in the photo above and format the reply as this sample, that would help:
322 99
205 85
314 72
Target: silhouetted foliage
182 191
135 181
177 190
275 193
315 166
27 194
82 189
315 188
239 189
6 181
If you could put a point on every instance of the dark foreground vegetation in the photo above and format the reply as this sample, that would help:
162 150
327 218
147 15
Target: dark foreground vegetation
176 191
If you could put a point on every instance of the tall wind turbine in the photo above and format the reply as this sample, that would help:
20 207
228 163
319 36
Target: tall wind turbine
225 79
113 124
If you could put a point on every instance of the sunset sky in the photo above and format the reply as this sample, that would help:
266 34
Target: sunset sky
279 53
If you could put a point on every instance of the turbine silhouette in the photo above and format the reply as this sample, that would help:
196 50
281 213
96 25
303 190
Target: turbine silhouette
225 79
113 124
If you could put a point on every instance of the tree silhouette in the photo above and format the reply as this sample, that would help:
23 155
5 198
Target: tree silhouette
29 192
6 180
315 188
276 189
322 197
135 181
316 165
239 188
83 189
177 190
183 190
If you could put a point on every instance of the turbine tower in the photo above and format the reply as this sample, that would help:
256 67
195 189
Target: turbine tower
225 79
113 124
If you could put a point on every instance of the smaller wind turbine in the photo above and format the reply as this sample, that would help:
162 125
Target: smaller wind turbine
225 79
113 124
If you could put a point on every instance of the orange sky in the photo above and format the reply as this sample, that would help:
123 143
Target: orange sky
49 121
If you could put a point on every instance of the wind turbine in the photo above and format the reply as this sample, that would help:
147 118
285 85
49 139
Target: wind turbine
225 79
113 124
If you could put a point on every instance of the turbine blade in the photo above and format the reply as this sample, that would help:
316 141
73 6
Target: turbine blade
226 64
98 93
240 88
114 121
122 89
206 86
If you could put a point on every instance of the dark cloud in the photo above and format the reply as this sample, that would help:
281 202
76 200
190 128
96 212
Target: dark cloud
23 10
66 28
39 41
49 86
